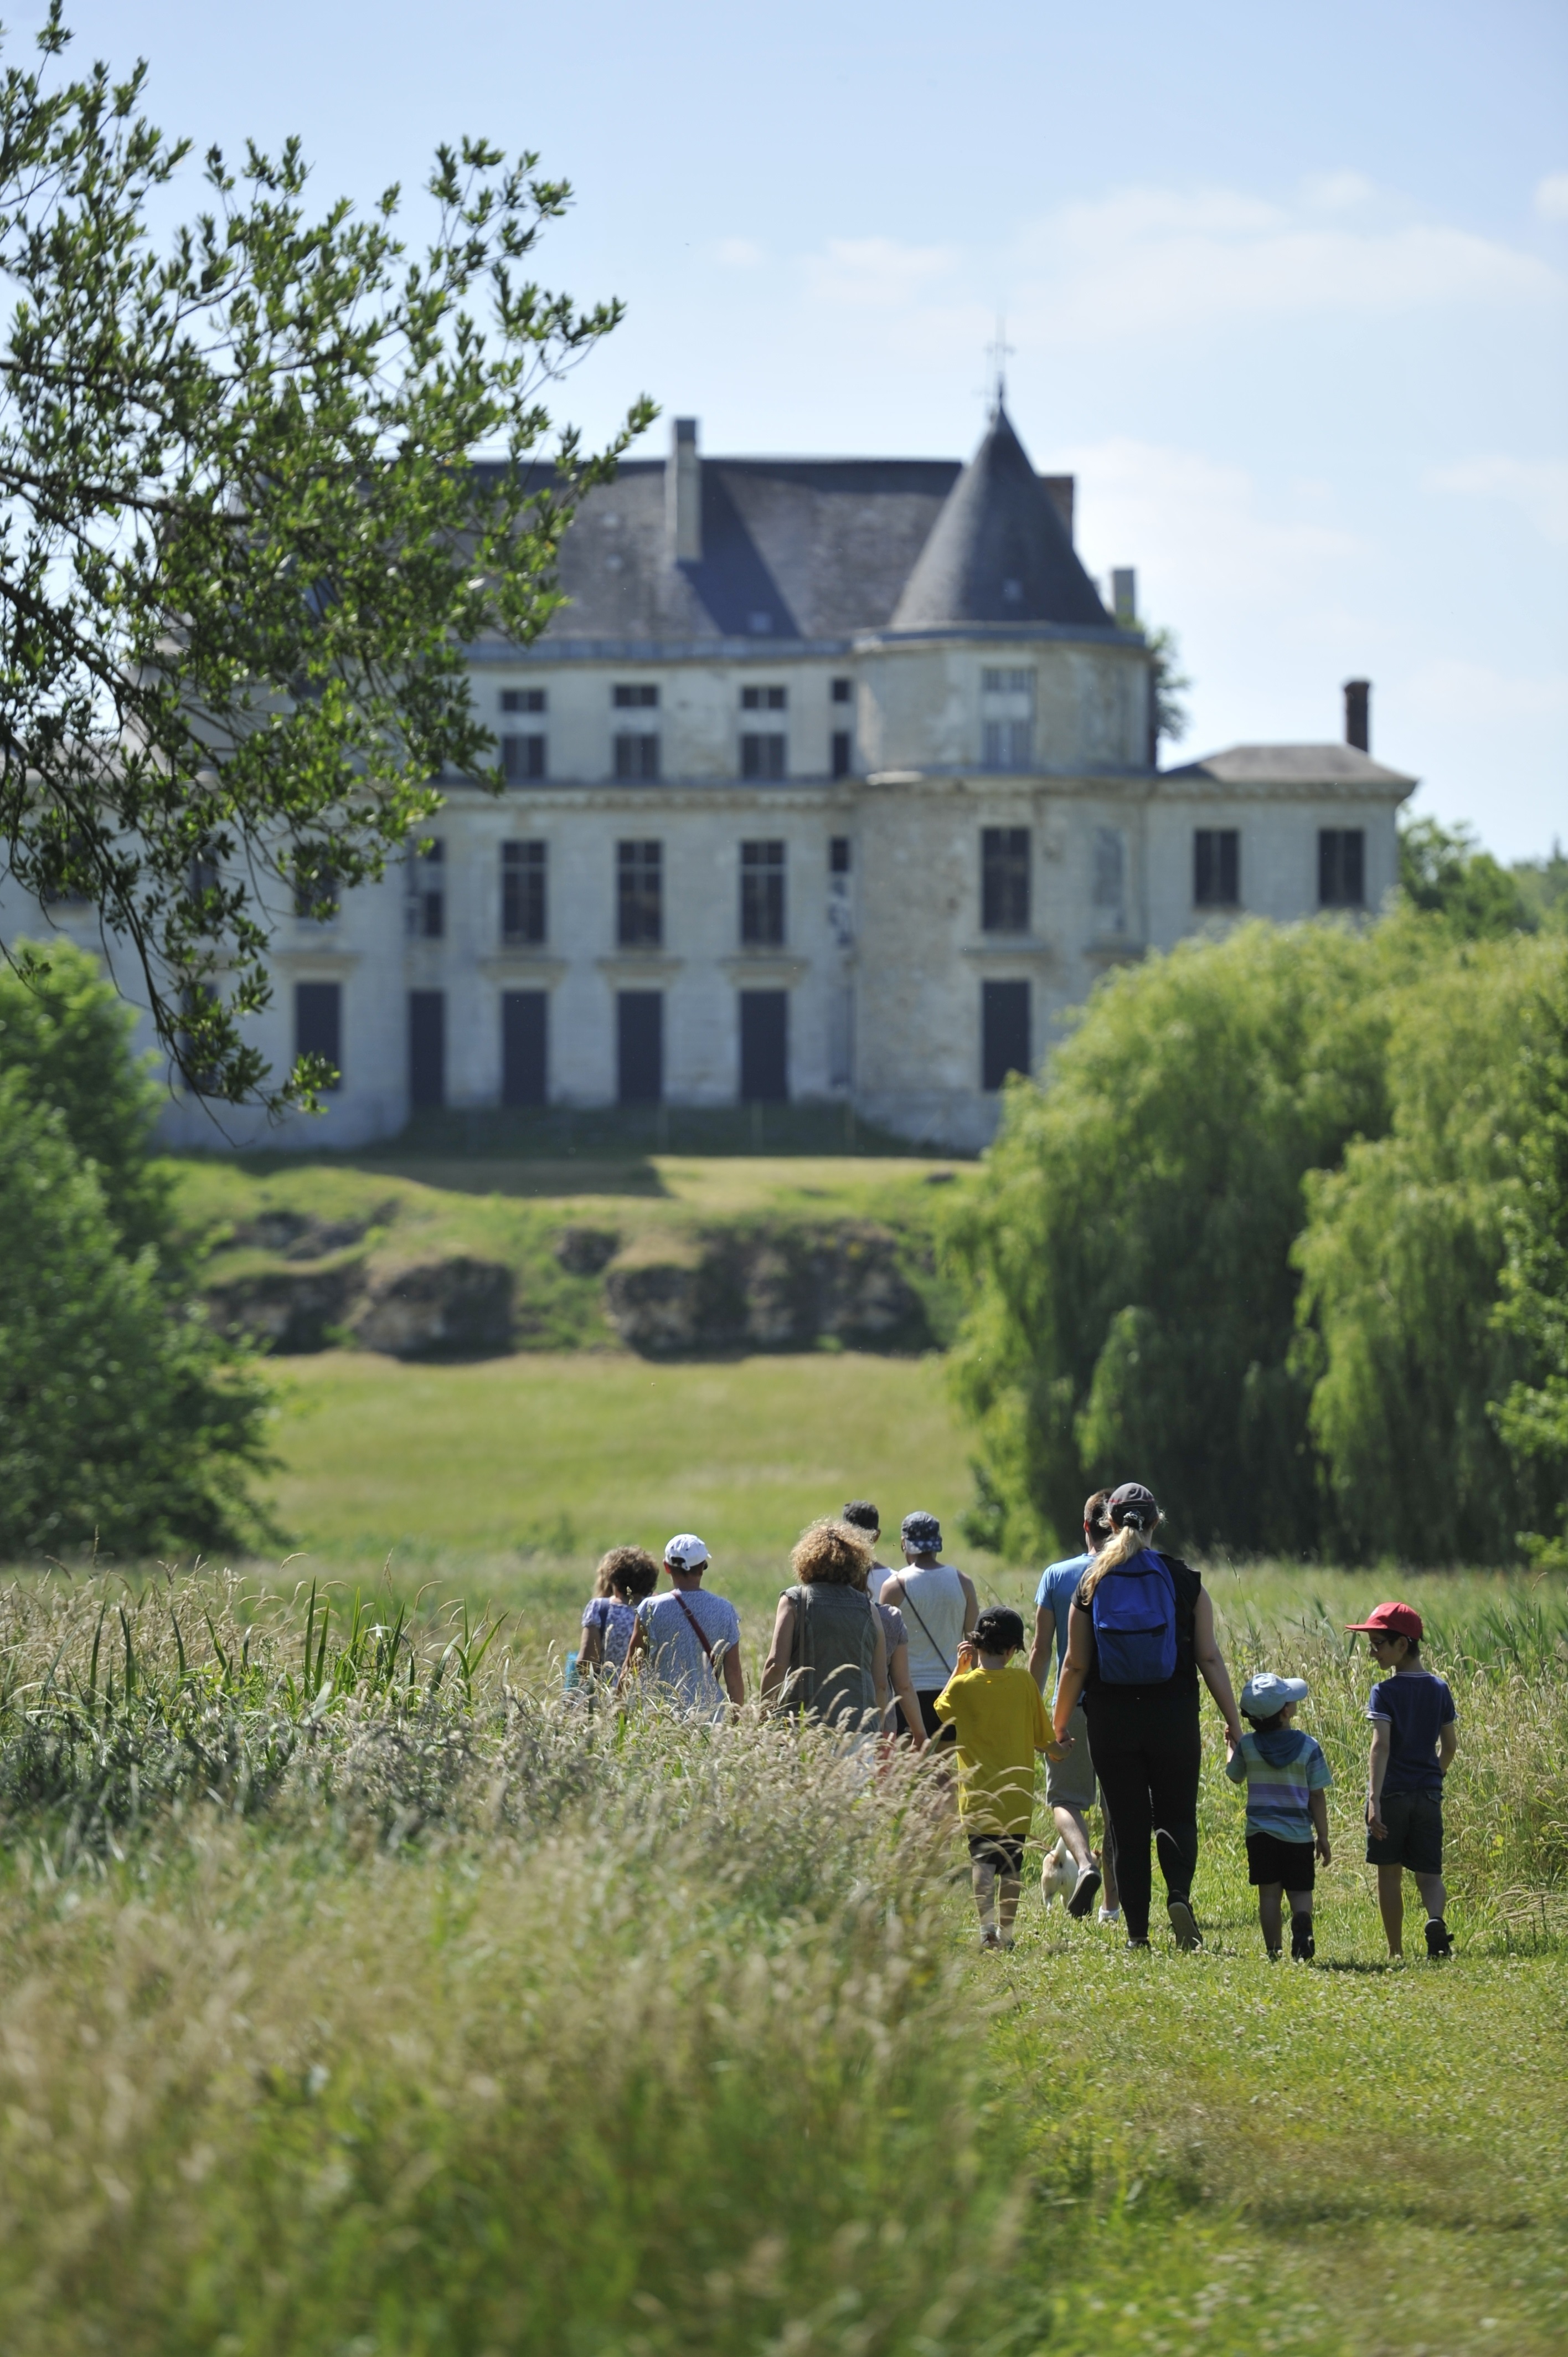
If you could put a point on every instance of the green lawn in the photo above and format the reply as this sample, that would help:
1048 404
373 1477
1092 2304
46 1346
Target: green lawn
540 1462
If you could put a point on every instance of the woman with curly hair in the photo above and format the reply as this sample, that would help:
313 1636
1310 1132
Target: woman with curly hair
829 1656
624 1577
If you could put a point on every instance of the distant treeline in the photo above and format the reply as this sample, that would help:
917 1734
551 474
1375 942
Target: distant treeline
1284 1233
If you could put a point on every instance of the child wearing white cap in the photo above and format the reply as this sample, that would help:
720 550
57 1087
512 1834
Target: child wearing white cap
1286 1776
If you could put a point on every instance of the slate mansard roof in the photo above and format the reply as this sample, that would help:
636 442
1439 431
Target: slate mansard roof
818 549
1300 768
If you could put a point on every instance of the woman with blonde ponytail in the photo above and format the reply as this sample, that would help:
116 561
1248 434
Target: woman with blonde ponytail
1140 1634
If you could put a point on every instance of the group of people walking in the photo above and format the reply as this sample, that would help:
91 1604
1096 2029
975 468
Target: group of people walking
881 1654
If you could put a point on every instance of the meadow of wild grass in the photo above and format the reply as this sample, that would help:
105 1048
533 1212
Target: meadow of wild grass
357 1992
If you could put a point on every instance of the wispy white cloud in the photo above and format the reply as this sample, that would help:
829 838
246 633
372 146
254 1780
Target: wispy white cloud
1147 261
1538 488
1551 197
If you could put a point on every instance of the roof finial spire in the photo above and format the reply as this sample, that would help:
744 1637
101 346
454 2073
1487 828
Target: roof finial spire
999 352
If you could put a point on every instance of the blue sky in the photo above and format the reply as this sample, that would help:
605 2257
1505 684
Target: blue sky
1287 290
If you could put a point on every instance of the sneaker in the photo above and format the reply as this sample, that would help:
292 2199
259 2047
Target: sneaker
1134 1946
1184 1925
987 1938
1108 1915
1084 1897
1302 1947
1438 1943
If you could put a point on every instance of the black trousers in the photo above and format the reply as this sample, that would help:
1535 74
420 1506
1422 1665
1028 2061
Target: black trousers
1147 1753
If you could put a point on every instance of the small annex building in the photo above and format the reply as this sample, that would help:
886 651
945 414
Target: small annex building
836 778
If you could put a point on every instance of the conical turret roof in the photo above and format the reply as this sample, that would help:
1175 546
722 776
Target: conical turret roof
998 552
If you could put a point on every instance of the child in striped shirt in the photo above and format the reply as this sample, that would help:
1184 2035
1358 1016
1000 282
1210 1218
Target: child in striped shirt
1286 1775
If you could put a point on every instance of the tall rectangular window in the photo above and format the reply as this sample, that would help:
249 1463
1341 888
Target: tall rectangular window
1004 1031
426 1049
1216 867
524 758
524 906
842 691
839 855
639 895
319 1024
1009 744
523 699
638 695
764 699
842 753
764 1047
639 1046
635 754
1110 881
1007 718
762 894
425 897
1341 867
524 1046
1004 879
762 753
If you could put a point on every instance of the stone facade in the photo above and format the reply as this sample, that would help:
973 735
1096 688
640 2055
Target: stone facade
833 781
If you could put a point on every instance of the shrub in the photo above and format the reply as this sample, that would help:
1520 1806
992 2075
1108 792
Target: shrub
123 1419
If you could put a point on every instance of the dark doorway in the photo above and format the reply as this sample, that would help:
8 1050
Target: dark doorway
764 1047
426 1048
639 1046
1005 1031
525 1071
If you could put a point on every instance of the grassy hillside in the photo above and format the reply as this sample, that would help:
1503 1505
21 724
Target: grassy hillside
268 1223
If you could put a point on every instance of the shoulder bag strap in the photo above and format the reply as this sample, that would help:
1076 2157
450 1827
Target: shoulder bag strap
697 1627
929 1639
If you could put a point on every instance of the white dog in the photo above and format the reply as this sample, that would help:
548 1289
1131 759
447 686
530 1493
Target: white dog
1059 1876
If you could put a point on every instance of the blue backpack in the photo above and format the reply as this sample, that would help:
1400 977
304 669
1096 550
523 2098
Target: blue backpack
1135 1622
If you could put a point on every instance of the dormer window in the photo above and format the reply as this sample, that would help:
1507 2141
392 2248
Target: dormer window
764 699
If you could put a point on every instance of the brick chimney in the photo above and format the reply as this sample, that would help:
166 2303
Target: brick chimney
1359 714
684 494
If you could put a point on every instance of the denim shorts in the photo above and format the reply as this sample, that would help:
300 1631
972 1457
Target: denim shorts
1415 1821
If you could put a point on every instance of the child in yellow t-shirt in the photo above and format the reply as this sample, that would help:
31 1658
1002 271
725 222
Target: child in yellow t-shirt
992 1706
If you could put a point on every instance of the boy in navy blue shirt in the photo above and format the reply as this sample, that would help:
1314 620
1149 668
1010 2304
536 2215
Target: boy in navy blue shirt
1413 1742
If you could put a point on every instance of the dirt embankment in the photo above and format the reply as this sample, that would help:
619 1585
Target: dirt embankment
305 1285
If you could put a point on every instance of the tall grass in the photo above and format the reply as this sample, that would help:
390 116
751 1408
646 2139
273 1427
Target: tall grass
356 1996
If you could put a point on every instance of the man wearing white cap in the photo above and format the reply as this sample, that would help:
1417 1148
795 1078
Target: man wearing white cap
690 1639
1286 1775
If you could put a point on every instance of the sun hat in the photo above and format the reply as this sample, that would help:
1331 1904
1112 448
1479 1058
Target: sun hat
1264 1696
1133 1503
1388 1620
922 1531
686 1552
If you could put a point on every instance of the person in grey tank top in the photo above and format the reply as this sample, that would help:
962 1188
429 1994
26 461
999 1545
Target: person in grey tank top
939 1609
829 1655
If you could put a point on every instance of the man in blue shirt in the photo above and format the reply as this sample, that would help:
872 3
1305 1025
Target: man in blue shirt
1070 1788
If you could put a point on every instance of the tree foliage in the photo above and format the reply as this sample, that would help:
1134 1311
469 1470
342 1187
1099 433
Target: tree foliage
1400 1256
64 1034
1129 1248
1444 874
1533 1417
123 1416
1247 1241
243 543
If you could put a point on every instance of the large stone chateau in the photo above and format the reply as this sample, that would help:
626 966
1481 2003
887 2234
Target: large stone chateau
834 779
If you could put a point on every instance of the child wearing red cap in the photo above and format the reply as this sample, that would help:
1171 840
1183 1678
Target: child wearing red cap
1413 1742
